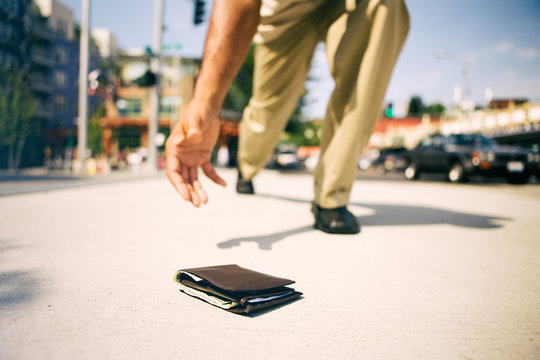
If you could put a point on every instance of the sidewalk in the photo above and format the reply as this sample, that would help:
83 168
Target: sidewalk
439 271
38 180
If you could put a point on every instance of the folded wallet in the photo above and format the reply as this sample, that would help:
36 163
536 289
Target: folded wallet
234 288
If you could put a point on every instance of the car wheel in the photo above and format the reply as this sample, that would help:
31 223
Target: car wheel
456 173
411 172
518 179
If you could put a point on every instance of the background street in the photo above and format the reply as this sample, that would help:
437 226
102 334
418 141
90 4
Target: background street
439 271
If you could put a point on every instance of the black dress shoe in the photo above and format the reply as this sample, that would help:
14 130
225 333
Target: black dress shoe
244 186
335 221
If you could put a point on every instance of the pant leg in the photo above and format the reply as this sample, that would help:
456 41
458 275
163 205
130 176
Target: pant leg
362 48
281 69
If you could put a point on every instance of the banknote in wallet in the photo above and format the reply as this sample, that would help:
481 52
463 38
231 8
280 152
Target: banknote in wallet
234 288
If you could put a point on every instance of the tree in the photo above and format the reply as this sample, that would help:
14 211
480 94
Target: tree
436 109
242 87
240 93
416 106
95 132
17 108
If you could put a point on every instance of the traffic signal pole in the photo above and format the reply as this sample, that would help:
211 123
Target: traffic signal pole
155 67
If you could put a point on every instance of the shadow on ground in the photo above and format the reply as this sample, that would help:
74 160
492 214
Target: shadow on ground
384 215
16 286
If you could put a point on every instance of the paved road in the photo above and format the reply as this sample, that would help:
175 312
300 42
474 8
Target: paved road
439 271
39 181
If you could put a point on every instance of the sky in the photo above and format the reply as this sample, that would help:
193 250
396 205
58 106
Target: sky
497 40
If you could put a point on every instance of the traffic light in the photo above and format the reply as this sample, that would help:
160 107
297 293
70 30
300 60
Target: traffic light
389 112
147 79
199 12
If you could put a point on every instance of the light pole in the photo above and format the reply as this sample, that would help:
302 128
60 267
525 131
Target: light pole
155 67
83 86
467 102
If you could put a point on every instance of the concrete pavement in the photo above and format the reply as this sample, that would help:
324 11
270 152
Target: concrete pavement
439 271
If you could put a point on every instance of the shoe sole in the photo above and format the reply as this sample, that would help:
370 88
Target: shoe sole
337 231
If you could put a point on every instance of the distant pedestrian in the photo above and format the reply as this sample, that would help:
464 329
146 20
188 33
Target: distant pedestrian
222 157
363 40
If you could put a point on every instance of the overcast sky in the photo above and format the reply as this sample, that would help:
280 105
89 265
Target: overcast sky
499 38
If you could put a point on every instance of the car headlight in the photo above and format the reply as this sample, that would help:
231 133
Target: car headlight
478 156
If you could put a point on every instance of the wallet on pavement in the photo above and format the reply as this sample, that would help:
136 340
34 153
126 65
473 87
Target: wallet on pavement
234 288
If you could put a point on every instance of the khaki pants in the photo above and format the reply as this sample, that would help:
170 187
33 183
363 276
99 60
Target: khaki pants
362 47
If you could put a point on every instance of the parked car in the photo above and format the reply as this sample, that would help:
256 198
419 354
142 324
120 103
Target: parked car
392 159
285 157
463 155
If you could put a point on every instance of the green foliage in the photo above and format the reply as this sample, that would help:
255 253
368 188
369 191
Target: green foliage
240 93
303 133
416 106
95 132
436 109
17 108
242 87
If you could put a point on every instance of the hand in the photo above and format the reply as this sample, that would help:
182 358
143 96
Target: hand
190 146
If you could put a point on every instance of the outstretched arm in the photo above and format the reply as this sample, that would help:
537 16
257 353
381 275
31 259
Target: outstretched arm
231 30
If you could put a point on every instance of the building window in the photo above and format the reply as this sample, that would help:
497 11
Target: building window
169 105
6 31
12 5
7 60
59 104
61 55
129 107
60 79
61 28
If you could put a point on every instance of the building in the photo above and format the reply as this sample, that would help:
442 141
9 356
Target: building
55 74
14 29
41 39
106 42
392 132
54 59
125 124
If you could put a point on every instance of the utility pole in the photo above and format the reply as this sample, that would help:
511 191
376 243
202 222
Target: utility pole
155 67
83 86
467 102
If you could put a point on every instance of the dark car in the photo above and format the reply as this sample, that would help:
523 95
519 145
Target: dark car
392 159
285 157
463 155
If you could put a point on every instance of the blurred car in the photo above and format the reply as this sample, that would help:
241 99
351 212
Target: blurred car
463 155
392 159
285 157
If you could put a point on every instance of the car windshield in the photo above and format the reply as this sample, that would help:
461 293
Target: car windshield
469 140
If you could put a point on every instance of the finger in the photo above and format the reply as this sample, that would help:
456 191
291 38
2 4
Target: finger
179 185
197 186
193 197
184 172
173 173
211 173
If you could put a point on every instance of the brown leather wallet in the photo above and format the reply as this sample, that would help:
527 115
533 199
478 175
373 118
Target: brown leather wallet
234 288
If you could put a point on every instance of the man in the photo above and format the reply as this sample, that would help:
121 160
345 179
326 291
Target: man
363 40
